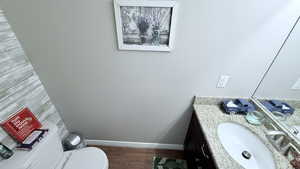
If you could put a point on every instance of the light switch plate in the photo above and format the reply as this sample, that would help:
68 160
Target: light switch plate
296 85
223 81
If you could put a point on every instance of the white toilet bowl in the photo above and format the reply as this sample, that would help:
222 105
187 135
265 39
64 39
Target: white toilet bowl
87 158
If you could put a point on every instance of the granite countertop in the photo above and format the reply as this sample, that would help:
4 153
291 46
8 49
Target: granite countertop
210 116
293 119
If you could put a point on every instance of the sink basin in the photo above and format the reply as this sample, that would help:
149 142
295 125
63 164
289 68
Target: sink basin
245 147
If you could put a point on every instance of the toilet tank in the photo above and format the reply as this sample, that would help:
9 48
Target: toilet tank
45 155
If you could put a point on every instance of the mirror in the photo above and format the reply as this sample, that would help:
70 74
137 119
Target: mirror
279 89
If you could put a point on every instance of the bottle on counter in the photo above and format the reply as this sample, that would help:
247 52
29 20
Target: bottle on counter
5 152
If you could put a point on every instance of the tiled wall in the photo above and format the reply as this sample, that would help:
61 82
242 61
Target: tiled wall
20 85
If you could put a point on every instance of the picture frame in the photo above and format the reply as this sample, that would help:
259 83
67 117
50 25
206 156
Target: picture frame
145 25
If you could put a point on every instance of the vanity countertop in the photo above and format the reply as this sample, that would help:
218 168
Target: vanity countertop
210 116
294 119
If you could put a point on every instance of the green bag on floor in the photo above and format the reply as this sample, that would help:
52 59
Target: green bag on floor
168 163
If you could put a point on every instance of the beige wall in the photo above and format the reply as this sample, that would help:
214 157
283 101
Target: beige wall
144 96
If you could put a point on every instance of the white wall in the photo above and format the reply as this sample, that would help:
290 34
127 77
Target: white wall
284 72
145 96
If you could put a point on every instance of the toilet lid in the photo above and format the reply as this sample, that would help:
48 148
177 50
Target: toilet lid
87 158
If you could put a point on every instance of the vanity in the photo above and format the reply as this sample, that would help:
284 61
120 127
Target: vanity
228 141
204 149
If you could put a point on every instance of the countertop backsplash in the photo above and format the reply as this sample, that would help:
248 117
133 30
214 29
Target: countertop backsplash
19 84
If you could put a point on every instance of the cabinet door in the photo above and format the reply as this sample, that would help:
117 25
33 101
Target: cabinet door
196 149
207 157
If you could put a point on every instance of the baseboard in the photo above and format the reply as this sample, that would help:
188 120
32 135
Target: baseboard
135 144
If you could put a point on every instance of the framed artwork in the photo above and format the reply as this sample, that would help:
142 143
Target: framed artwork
145 24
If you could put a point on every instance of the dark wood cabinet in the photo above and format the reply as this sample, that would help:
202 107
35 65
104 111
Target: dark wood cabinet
196 149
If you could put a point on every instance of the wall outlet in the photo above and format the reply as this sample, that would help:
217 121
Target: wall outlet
223 81
296 85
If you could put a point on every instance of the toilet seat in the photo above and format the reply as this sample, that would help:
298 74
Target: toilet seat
87 158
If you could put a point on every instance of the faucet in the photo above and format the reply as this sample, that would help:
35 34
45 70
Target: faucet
271 133
294 130
276 138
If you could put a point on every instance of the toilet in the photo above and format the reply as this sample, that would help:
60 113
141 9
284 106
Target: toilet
49 154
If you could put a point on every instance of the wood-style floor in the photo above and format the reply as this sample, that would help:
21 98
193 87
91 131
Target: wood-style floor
135 158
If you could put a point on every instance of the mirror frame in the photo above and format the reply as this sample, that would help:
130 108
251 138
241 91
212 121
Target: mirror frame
278 124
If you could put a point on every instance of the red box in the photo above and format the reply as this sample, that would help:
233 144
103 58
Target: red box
21 124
